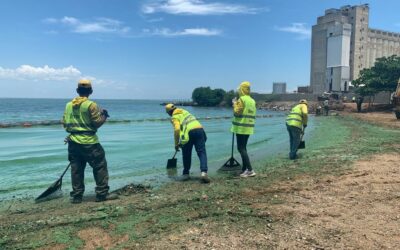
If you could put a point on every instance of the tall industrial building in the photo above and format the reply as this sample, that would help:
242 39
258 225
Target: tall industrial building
279 88
342 45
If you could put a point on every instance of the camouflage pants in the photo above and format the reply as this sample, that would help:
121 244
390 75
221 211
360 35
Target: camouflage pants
79 155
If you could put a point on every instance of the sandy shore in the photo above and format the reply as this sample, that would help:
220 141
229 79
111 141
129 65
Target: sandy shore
343 193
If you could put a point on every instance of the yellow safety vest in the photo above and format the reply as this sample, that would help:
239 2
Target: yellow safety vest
77 122
187 122
244 124
295 117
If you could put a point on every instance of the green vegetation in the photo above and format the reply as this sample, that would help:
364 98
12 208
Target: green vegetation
383 76
227 205
228 97
205 96
348 140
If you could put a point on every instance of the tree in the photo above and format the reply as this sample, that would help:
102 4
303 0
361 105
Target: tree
383 76
200 95
228 97
205 96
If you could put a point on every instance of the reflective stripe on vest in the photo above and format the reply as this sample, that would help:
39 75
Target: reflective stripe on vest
187 122
77 122
244 124
295 117
245 116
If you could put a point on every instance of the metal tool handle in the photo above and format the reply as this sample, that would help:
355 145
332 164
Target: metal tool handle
302 133
173 157
233 143
65 171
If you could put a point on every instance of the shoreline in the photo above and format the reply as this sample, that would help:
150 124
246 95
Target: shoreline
28 124
156 180
164 216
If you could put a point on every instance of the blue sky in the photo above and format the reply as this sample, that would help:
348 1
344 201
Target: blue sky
161 49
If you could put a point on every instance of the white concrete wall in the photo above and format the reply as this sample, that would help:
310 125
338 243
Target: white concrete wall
338 51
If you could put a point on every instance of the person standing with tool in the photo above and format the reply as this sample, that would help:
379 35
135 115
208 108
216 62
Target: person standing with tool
188 132
82 118
296 123
244 112
326 107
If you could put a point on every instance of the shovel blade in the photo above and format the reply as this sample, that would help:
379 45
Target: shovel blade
302 145
55 188
171 163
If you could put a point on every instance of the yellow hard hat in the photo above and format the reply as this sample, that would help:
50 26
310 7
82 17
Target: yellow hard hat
303 101
245 84
169 107
244 88
84 83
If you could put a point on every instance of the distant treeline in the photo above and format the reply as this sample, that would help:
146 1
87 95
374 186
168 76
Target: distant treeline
205 96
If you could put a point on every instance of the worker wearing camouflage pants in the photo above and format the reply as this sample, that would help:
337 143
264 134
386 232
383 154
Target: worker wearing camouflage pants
82 118
79 155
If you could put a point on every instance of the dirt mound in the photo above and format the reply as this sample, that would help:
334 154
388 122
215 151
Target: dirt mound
133 189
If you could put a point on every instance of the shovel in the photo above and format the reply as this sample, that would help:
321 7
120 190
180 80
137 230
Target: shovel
172 162
54 190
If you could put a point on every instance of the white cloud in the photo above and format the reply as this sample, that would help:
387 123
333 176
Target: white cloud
46 73
70 20
300 29
196 7
185 32
98 25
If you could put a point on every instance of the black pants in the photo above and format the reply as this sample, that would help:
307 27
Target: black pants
197 138
79 155
242 148
359 107
294 138
326 108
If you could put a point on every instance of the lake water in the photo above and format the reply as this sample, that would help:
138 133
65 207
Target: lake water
138 140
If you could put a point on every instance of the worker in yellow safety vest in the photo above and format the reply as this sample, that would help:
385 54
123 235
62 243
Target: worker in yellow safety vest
244 112
82 118
188 132
296 122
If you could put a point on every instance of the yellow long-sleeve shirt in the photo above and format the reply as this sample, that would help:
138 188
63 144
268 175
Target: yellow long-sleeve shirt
304 111
177 125
238 107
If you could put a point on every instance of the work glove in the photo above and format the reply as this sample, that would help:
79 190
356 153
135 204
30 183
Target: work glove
177 147
304 127
104 112
67 139
234 100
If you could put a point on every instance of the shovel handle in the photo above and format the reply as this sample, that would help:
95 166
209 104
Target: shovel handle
65 171
173 157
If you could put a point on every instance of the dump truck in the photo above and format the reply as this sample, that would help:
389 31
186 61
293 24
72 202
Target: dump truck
396 101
